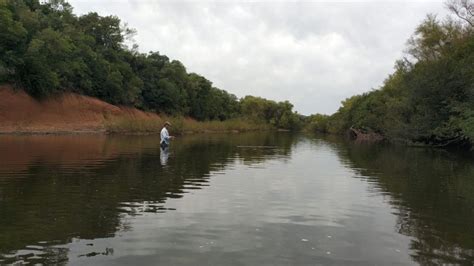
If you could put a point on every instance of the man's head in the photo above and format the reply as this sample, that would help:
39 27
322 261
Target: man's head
167 124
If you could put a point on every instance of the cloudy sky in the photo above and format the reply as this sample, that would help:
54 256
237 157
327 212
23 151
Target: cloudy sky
312 53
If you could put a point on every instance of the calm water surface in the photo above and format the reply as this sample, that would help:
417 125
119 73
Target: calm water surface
243 199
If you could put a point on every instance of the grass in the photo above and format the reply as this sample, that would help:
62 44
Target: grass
181 125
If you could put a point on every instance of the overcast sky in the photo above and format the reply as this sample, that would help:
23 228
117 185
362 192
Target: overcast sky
312 53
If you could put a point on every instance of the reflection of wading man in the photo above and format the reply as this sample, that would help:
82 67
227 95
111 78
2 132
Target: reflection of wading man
164 154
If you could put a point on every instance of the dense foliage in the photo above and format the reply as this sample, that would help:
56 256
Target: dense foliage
46 49
430 96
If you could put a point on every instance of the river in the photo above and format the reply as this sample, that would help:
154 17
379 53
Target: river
235 199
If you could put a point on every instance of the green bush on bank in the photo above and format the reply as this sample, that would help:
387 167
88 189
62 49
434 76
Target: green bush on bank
429 98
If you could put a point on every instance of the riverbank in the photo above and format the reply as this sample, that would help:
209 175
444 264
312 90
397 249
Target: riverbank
71 113
180 126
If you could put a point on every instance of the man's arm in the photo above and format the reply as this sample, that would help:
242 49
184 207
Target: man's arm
168 136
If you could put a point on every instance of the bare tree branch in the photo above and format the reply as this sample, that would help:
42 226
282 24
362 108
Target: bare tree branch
463 9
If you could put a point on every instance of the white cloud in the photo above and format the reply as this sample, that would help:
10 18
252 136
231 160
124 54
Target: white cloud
312 53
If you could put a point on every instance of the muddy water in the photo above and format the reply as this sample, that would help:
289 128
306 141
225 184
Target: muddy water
243 199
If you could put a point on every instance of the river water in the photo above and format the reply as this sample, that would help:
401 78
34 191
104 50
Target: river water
238 199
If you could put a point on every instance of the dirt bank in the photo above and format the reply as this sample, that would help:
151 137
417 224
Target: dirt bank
68 113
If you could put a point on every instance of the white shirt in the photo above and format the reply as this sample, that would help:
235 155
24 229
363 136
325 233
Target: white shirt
164 135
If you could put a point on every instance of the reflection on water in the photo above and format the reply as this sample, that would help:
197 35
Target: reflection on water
164 155
242 199
432 192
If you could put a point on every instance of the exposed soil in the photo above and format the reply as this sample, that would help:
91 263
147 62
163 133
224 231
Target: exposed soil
68 113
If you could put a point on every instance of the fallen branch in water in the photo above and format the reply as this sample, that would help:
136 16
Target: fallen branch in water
359 135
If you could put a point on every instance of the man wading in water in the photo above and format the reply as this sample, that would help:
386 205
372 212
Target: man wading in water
164 144
165 136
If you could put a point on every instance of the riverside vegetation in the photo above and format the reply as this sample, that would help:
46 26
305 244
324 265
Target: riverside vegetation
46 50
429 99
182 125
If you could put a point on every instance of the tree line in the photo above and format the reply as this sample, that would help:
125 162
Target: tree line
429 98
46 50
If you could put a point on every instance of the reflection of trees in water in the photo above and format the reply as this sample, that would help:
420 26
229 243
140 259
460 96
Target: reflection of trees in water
432 192
59 198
